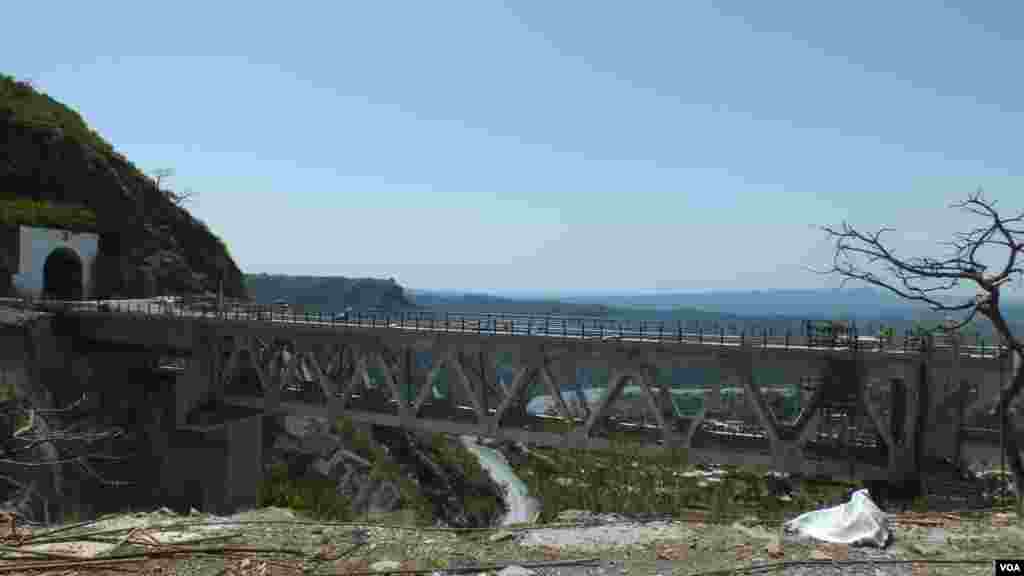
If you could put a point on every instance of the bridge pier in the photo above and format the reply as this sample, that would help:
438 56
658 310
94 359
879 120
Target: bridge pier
198 385
903 454
210 454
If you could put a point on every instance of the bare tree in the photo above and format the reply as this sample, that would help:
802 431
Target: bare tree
37 443
160 173
868 258
178 198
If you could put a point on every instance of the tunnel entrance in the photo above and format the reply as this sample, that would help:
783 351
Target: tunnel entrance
62 275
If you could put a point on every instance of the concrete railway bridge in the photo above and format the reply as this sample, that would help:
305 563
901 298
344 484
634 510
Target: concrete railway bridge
860 407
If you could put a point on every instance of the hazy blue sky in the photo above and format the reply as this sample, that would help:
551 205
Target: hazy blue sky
551 144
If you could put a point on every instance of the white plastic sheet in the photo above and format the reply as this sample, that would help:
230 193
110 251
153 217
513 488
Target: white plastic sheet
859 522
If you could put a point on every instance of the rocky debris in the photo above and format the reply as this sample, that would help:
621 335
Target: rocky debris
385 566
779 485
502 536
708 475
605 536
308 446
693 548
587 517
19 503
515 570
995 483
463 494
157 525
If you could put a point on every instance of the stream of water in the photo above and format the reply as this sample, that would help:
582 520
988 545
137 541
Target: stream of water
521 506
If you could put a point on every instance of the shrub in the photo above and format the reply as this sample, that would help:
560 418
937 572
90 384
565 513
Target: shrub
316 496
24 104
15 211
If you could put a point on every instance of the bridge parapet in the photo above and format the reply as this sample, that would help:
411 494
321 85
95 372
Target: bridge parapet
555 327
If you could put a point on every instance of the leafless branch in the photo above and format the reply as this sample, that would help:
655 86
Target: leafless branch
160 173
62 436
867 258
89 470
37 432
70 407
178 198
13 482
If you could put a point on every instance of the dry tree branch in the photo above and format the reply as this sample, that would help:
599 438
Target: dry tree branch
860 256
923 279
36 432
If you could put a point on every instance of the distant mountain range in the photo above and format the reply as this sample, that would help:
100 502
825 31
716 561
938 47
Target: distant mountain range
752 311
859 302
451 301
327 293
865 303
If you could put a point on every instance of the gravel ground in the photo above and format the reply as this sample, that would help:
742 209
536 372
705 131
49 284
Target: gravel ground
653 548
598 538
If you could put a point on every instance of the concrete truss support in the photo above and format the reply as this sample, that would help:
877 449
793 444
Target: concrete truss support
396 376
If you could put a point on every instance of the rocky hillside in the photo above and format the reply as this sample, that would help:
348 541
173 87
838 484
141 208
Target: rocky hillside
328 293
148 244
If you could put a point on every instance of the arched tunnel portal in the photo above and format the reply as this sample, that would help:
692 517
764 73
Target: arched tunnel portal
62 275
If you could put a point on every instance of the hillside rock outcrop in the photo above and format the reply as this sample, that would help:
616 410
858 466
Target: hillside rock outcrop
328 292
404 467
148 244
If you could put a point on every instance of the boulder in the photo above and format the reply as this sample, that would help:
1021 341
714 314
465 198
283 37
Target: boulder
308 448
384 498
458 498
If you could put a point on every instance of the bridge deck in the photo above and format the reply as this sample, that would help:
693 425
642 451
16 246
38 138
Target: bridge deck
560 327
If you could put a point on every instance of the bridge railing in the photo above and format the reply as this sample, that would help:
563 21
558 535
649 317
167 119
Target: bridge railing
553 326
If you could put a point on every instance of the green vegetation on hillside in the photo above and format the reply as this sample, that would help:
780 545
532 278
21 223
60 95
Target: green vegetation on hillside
625 481
314 496
16 211
23 104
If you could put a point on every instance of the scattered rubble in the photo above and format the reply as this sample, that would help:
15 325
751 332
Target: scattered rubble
371 479
602 532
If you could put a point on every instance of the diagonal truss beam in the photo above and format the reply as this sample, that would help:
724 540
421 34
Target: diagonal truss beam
460 375
544 371
656 404
389 380
755 399
358 375
427 386
519 383
616 383
327 384
344 370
